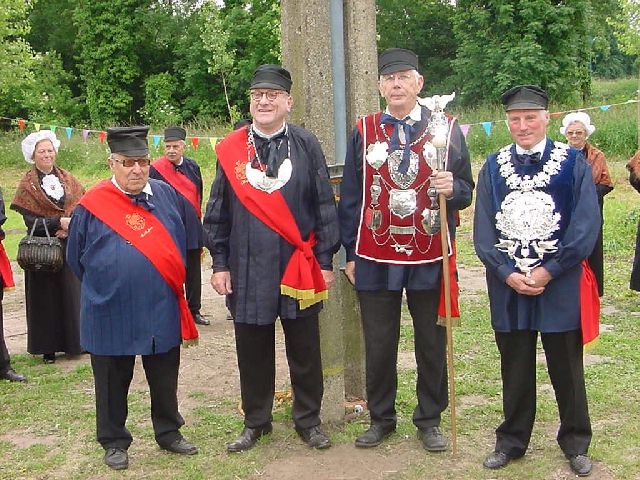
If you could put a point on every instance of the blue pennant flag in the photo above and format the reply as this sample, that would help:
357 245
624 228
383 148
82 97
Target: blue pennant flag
156 140
68 130
487 127
604 108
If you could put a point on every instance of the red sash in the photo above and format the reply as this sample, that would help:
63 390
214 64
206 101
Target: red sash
302 278
5 270
589 307
180 182
146 233
453 284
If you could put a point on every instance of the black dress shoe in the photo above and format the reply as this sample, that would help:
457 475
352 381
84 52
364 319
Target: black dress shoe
374 436
49 358
496 460
581 465
200 320
248 438
116 458
432 439
13 376
314 437
181 446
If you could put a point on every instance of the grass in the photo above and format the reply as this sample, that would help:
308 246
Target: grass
54 412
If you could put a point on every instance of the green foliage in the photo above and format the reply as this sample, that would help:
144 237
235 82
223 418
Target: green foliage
160 109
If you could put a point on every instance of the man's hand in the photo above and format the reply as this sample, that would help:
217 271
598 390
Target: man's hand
442 181
329 278
540 277
221 283
524 285
64 223
350 271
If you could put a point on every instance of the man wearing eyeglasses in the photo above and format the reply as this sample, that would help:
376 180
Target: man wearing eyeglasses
127 246
183 174
271 226
385 203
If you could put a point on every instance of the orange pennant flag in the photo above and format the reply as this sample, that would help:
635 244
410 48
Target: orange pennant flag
101 136
195 141
21 124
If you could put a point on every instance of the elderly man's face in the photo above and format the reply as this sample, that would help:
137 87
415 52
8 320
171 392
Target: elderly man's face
269 108
576 134
131 173
44 156
400 90
174 149
528 127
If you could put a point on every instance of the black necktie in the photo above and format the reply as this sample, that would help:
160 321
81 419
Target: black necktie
395 138
268 149
142 200
529 158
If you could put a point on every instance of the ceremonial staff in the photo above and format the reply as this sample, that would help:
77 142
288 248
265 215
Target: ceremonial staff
439 128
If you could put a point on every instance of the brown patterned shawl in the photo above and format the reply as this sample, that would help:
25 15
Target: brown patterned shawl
599 168
634 171
31 199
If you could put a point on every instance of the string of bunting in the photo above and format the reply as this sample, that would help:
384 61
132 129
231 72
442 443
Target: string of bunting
195 141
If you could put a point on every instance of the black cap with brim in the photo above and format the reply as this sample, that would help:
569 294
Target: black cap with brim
397 60
271 76
128 141
525 97
174 133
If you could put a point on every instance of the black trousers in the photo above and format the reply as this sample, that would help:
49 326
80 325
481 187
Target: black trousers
381 324
113 374
5 361
518 366
255 346
193 283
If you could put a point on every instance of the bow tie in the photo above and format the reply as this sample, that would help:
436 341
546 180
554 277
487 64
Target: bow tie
395 138
268 148
142 200
528 158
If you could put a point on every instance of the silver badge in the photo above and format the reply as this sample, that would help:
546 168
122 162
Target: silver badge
403 180
402 203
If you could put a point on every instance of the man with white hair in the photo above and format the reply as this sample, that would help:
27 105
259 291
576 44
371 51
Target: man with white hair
532 230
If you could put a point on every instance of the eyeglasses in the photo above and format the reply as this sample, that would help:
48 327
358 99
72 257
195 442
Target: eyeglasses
49 151
272 95
129 162
577 133
402 78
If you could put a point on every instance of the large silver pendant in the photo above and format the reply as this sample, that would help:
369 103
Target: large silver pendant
258 179
526 221
403 180
431 221
402 203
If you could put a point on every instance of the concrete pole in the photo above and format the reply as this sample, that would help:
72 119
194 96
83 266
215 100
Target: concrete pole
307 54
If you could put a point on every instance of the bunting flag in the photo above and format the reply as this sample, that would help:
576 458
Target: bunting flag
195 141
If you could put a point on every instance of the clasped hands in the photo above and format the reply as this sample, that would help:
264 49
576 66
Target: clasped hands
532 285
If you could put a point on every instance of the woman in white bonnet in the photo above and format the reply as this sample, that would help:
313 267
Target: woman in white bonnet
48 193
577 128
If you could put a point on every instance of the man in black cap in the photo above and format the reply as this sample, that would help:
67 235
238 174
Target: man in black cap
183 174
533 229
127 246
391 247
271 226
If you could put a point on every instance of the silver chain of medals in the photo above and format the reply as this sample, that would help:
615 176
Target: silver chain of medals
251 144
528 182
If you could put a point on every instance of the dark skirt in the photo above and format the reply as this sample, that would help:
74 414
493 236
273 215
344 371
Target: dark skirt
53 312
635 270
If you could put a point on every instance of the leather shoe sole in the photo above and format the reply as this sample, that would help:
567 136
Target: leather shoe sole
374 436
581 465
432 439
314 437
116 458
248 439
496 460
181 446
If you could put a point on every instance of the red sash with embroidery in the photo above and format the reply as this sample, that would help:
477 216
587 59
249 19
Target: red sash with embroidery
5 270
146 233
589 307
180 182
302 278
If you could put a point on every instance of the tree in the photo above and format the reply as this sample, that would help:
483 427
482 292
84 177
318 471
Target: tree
627 27
503 43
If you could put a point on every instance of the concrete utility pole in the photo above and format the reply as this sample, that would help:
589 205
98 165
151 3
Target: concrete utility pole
329 46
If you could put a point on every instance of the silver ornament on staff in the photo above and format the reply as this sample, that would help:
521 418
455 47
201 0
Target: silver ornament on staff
435 153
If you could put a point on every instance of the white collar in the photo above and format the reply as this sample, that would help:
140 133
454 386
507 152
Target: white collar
415 115
146 189
268 136
537 148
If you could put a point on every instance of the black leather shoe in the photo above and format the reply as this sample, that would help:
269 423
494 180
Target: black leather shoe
496 460
181 446
49 358
13 376
116 458
374 436
581 465
200 320
248 438
314 437
432 439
